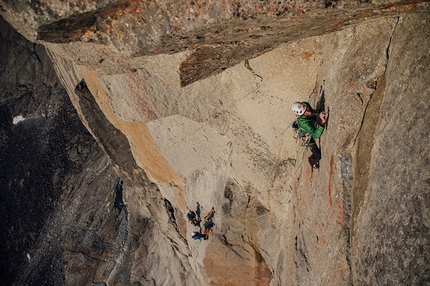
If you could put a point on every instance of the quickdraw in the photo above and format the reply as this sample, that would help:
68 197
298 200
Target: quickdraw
300 135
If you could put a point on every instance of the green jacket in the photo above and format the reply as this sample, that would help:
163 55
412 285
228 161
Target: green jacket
309 125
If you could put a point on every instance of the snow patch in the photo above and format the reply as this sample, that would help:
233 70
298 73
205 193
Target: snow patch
18 119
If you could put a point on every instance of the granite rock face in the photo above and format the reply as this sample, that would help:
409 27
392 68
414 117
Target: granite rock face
366 195
61 207
189 105
218 34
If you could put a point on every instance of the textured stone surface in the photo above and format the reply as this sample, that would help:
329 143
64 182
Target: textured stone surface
364 192
224 142
220 34
394 188
61 206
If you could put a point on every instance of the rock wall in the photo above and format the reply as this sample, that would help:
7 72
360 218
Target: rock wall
196 121
106 34
350 194
62 213
399 237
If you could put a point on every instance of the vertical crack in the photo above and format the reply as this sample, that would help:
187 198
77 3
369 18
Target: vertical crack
119 201
387 51
172 219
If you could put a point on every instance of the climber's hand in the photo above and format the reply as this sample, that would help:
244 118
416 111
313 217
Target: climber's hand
323 117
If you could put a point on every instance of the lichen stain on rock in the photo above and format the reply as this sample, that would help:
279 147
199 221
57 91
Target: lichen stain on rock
144 149
141 97
331 182
128 97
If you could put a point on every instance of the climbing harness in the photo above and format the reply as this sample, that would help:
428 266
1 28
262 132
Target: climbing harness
299 134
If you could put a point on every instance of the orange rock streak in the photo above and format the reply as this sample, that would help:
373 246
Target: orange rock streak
143 147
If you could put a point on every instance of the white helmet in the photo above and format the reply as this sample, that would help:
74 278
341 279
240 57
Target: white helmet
298 108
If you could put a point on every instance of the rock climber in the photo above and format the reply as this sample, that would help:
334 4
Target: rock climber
193 218
196 235
210 215
311 122
208 226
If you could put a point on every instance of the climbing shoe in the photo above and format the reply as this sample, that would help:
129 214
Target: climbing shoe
316 166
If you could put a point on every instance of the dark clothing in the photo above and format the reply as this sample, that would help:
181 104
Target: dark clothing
192 218
209 224
191 215
316 153
197 235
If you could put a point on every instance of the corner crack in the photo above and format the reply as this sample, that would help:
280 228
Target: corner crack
387 51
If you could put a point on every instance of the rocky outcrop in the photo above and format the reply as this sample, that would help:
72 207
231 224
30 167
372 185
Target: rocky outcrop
198 116
219 34
398 238
356 196
62 212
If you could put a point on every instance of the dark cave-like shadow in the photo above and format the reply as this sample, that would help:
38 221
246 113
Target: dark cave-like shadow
321 105
198 210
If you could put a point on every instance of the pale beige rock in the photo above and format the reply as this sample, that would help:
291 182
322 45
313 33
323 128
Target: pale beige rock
225 142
